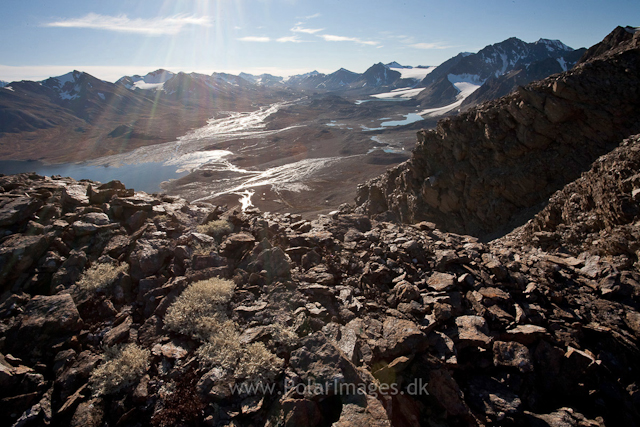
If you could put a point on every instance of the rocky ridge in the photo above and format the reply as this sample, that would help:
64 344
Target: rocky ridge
485 170
439 328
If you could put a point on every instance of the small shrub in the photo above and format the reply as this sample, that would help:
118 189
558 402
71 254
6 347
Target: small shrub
202 249
99 277
199 307
199 313
123 365
258 364
222 347
252 363
217 229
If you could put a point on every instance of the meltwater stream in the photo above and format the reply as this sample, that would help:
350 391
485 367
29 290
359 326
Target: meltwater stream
186 154
147 167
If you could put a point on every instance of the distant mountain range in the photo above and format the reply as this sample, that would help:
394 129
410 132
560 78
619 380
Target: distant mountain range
77 116
163 104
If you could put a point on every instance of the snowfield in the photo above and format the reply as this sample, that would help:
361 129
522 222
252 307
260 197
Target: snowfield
466 85
399 93
414 73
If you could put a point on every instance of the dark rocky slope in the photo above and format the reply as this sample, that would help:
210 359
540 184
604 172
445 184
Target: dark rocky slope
595 214
484 170
494 62
500 334
496 87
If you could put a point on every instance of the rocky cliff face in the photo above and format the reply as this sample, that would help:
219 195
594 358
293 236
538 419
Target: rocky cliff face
595 214
484 169
116 309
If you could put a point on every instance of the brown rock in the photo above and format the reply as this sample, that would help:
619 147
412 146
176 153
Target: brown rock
563 417
367 412
473 331
118 334
148 258
400 337
15 209
301 412
318 361
524 334
512 354
48 318
441 281
18 253
446 391
236 244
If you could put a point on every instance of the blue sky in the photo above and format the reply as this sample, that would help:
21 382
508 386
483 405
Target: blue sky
112 38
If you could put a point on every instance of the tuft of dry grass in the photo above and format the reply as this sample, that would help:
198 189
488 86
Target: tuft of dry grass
222 347
123 365
252 363
199 307
217 228
99 277
200 313
202 248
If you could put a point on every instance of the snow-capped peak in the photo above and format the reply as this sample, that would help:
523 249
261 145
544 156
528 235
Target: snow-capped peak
67 86
158 76
554 45
154 80
60 81
394 64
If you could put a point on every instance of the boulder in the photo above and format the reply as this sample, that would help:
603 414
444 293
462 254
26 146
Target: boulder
148 257
473 331
400 338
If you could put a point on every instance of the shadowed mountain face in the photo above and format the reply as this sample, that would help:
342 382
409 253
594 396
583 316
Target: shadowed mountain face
77 116
495 62
496 87
482 170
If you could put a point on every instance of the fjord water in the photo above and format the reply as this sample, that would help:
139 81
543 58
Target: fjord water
143 176
146 168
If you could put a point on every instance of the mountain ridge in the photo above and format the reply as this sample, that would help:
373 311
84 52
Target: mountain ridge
535 128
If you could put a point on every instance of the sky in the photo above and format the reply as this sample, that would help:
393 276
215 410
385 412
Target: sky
113 38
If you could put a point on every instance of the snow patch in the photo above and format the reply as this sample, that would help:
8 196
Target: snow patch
563 63
70 95
413 73
66 78
554 45
141 84
9 88
101 95
399 93
466 85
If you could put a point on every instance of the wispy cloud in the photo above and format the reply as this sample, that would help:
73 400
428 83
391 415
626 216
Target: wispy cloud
298 29
169 25
429 46
315 15
332 38
255 39
289 39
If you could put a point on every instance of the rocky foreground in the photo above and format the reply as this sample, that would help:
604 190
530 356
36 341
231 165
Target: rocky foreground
122 308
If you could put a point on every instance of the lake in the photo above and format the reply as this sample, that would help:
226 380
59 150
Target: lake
141 177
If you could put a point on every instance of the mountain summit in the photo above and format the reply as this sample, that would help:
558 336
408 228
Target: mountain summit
153 80
446 82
